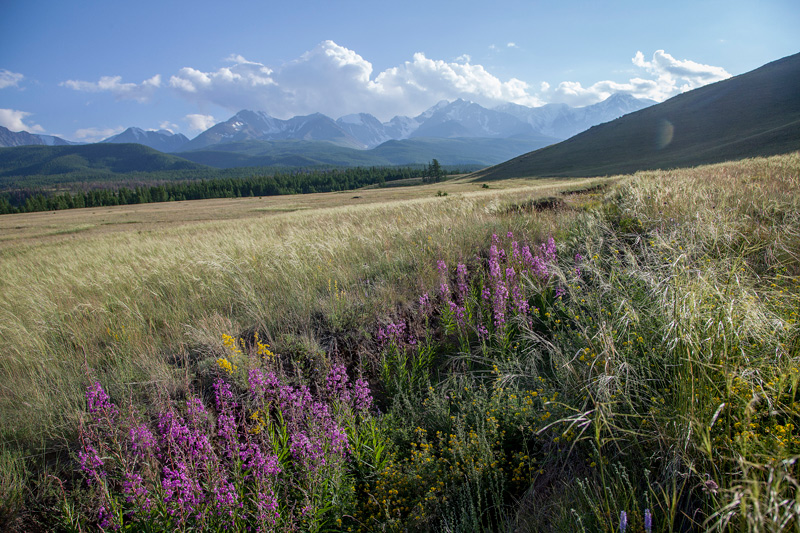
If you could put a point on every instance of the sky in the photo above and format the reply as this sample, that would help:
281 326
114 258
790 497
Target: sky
85 70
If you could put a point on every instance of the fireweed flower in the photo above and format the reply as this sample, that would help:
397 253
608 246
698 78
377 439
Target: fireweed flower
257 465
362 398
425 304
142 440
499 289
98 402
337 383
267 506
105 519
91 464
182 493
135 491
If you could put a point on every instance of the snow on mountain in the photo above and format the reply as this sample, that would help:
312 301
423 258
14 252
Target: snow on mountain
563 121
468 119
401 127
250 125
365 128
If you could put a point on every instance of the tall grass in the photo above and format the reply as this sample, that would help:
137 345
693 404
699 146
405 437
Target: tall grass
647 380
144 310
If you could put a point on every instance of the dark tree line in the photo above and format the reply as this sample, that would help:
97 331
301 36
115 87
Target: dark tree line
298 182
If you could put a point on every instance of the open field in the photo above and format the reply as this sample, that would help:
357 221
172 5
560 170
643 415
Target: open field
645 360
32 227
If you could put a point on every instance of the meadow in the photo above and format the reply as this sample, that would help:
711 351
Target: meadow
543 355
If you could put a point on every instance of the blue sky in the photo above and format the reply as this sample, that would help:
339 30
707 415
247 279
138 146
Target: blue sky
85 70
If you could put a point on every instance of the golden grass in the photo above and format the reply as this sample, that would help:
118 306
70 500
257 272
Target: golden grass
122 292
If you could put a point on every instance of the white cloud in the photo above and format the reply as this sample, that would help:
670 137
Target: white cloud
14 121
668 77
96 134
334 80
10 79
199 122
169 126
666 67
512 45
122 91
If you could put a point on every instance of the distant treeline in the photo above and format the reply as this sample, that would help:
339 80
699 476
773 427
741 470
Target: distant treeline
297 182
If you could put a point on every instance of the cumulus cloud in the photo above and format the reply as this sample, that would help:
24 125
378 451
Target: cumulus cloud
512 45
140 92
669 69
335 80
96 134
667 77
10 79
14 120
199 122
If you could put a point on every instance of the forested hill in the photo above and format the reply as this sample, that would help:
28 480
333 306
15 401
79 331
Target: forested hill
86 162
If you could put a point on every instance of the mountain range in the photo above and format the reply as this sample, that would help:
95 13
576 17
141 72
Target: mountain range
446 120
753 114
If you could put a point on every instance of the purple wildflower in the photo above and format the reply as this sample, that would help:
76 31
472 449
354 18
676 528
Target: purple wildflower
257 465
337 383
362 397
91 464
105 519
267 506
142 440
623 522
98 402
182 493
135 491
425 304
648 521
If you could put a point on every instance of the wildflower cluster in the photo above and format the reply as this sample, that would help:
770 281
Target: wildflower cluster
273 456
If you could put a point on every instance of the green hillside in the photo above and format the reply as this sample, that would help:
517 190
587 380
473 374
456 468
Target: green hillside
40 165
754 114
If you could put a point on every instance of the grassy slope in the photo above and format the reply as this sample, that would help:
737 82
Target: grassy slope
754 114
669 362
